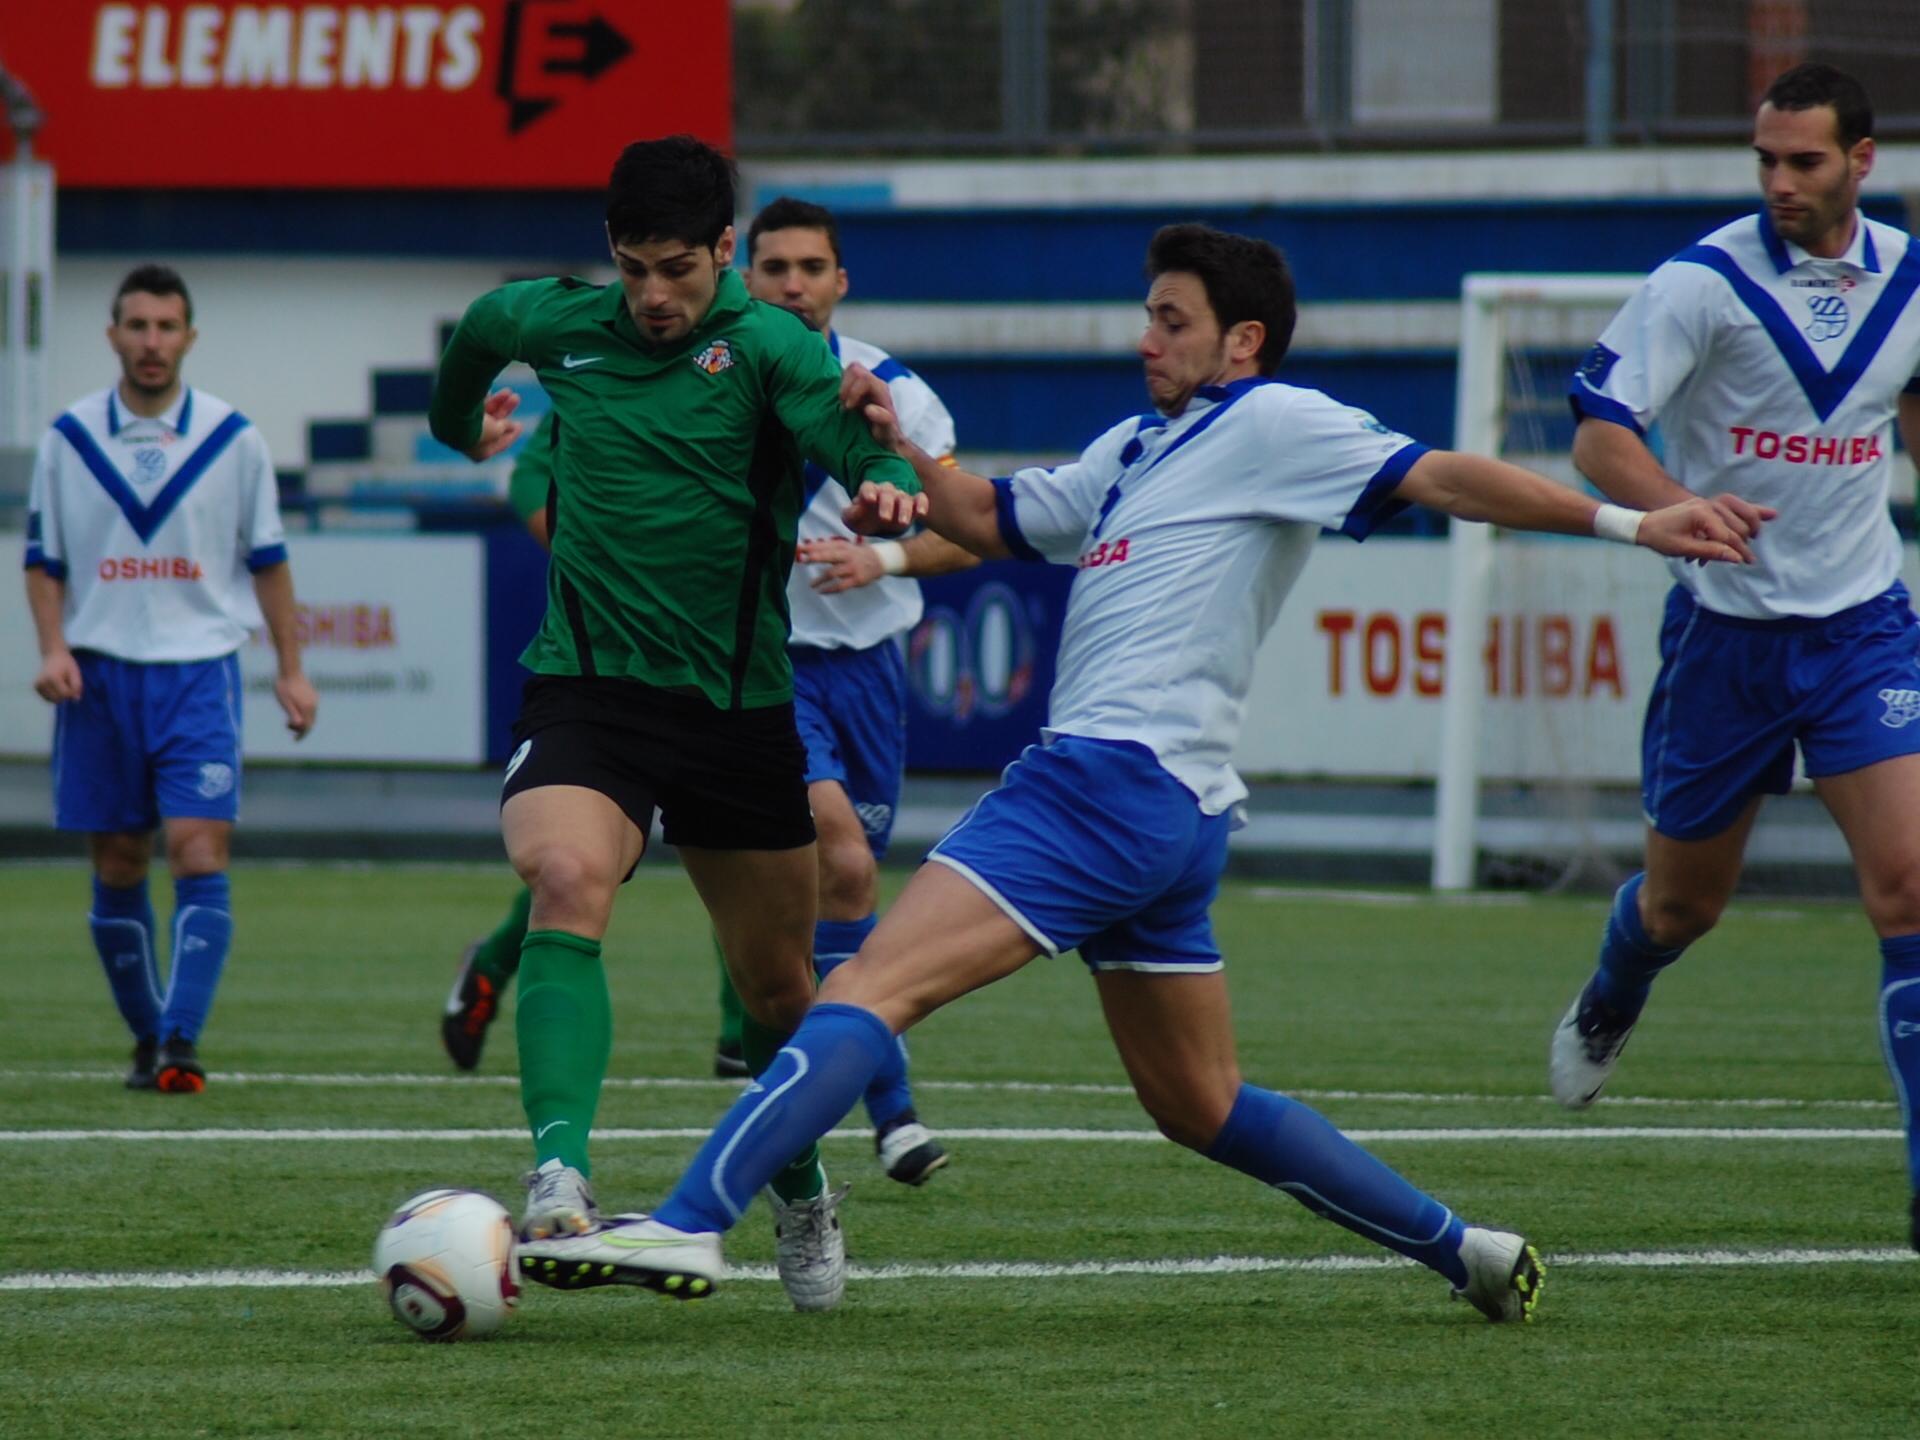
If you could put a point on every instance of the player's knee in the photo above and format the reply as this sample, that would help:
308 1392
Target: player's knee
1673 921
197 852
1186 1119
1893 900
120 860
849 879
779 1000
567 883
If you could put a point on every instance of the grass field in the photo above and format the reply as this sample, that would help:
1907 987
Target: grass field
1399 1017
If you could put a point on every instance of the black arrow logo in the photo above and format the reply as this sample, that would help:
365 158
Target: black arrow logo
601 48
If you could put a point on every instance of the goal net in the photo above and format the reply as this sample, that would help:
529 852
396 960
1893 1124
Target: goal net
1551 640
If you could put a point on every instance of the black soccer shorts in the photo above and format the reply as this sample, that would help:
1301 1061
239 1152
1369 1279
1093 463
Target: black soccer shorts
721 779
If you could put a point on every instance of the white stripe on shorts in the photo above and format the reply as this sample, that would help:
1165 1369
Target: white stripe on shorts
980 883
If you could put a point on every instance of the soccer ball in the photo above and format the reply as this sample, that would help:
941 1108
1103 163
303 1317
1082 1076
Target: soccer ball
445 1262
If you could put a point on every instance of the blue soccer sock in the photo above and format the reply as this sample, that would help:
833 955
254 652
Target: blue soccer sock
1900 1031
834 943
1628 957
122 925
1291 1147
809 1088
202 931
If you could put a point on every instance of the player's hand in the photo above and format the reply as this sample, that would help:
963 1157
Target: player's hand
867 395
883 510
1696 530
59 678
1745 517
299 700
498 429
849 564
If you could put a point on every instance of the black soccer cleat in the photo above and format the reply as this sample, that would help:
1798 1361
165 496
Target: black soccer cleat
729 1060
907 1150
141 1074
471 1008
177 1068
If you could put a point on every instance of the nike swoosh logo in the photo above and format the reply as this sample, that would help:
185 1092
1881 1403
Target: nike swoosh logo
574 362
548 1126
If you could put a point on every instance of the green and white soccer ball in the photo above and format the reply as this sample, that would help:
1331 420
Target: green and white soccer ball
445 1262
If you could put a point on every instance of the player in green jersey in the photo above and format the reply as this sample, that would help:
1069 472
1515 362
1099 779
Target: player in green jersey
488 965
683 412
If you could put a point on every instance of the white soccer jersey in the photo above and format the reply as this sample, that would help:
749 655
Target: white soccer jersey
860 619
155 525
1188 533
1774 376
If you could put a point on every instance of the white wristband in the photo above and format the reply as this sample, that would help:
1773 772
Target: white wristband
892 555
1619 524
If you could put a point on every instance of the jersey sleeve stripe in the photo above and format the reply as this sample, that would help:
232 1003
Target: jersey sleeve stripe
1589 405
1377 503
266 557
1010 533
891 370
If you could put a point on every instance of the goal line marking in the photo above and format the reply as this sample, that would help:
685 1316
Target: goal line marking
1038 1087
1571 1134
991 1269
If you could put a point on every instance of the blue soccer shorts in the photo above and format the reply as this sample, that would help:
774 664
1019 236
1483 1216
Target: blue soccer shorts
851 707
1735 696
1092 845
147 741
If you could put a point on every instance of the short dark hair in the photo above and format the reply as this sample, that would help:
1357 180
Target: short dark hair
787 213
1245 279
1809 86
152 279
678 188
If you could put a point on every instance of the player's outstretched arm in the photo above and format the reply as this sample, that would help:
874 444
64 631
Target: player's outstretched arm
463 414
1623 469
1473 487
851 565
273 588
59 677
957 505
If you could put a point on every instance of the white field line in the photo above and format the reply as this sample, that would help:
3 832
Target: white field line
990 1269
1052 1136
1037 1087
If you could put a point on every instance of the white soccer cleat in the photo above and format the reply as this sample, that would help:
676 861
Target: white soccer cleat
1584 1051
1504 1274
628 1250
810 1250
559 1202
908 1152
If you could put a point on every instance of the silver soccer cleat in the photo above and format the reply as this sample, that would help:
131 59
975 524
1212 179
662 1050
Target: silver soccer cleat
1504 1275
1584 1051
810 1250
627 1250
559 1202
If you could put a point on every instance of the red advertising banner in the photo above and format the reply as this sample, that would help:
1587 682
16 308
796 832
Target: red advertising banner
493 94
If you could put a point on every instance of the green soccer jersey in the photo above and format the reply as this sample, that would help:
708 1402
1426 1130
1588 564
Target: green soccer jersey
532 472
678 471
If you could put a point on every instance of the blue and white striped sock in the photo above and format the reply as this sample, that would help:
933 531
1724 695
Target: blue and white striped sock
202 933
122 926
1900 1032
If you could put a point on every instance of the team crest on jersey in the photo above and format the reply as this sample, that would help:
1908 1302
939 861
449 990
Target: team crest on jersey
1903 708
1830 317
716 357
1597 366
149 465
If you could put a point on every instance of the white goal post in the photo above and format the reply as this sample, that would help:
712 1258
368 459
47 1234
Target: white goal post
1497 312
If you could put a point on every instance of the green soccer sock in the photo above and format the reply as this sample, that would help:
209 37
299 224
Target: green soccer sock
731 1010
499 954
564 1023
803 1178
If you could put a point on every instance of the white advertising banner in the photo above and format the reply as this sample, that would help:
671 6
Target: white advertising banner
394 634
1349 681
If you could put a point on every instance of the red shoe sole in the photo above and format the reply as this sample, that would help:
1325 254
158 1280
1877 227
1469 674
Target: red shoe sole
179 1082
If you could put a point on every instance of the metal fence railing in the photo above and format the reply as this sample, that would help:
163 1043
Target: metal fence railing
983 76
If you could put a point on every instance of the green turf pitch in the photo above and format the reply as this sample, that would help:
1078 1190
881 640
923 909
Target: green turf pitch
340 971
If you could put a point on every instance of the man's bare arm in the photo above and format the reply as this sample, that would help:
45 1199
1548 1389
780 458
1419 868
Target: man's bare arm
851 565
1472 487
273 588
59 677
1623 469
959 506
